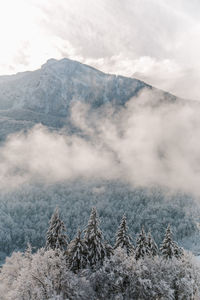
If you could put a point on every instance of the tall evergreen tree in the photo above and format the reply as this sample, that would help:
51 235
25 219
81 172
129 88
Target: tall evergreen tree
178 251
56 237
122 237
142 248
169 248
152 246
94 240
77 253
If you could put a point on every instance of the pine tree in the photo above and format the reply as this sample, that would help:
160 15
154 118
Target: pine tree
56 237
94 240
142 248
169 248
178 251
77 253
122 237
152 246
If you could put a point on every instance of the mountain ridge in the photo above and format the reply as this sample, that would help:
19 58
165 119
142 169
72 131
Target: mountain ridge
45 95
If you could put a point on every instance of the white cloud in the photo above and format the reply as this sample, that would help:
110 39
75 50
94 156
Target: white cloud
147 143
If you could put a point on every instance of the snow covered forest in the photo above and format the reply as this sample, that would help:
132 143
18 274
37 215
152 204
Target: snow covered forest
88 267
25 212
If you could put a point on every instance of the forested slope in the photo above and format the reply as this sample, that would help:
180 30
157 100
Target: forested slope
25 212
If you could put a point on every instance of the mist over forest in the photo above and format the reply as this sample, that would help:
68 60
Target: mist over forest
137 157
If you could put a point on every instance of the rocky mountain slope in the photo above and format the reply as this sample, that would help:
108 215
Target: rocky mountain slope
45 95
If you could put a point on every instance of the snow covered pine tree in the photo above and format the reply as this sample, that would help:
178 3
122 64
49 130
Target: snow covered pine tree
96 247
77 253
153 248
122 237
142 248
56 237
169 248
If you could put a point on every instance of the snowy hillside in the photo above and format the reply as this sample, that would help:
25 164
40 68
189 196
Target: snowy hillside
44 96
50 89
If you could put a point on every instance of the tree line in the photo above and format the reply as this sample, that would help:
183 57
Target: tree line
88 267
25 212
92 249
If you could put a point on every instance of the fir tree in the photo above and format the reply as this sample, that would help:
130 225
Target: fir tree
142 248
122 237
77 253
56 237
152 246
169 248
178 251
94 240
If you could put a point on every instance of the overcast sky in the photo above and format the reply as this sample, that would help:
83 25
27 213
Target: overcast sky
157 41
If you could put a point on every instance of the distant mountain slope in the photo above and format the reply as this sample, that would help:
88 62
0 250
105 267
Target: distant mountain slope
44 96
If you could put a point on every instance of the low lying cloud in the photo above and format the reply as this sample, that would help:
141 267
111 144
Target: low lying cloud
44 156
148 142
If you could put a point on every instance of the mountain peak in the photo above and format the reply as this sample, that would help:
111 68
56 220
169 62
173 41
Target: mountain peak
62 61
49 62
45 95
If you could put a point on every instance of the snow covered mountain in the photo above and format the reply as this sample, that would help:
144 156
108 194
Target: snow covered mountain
44 96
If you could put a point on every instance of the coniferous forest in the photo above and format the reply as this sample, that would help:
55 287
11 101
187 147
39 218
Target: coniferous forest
25 212
88 267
